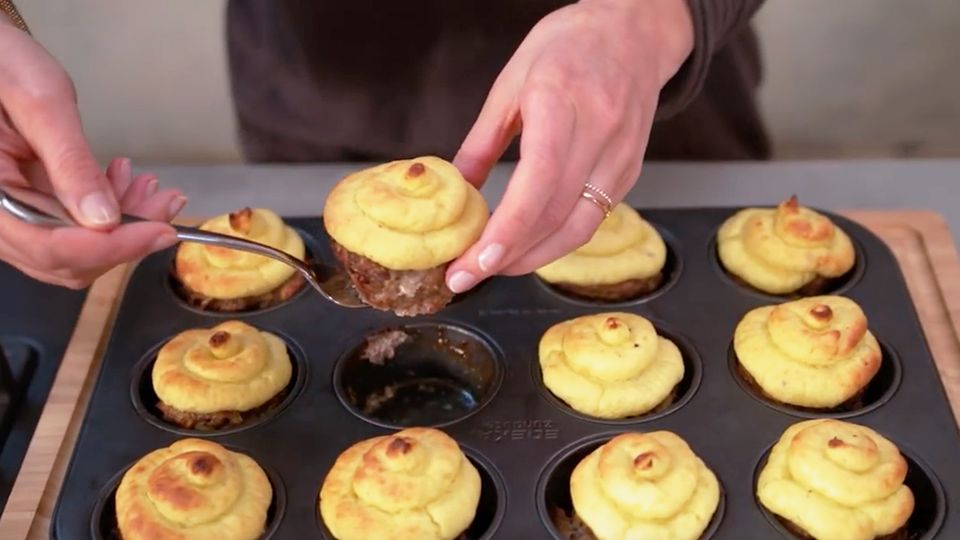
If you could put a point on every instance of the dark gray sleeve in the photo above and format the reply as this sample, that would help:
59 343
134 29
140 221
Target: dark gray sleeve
714 21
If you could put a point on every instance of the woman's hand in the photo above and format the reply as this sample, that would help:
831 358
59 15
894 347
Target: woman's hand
42 146
583 89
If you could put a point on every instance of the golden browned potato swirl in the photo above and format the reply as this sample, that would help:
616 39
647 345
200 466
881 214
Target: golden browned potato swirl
410 214
815 352
781 250
413 485
836 481
644 485
194 489
624 247
230 367
609 365
224 274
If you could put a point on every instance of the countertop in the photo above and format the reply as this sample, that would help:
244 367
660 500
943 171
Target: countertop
881 184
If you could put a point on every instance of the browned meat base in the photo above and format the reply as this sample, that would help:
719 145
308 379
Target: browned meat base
405 292
899 534
570 526
855 402
216 420
616 292
262 301
820 285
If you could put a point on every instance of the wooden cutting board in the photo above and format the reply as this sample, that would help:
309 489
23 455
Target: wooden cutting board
920 240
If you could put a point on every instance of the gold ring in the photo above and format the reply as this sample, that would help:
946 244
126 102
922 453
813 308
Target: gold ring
598 197
602 205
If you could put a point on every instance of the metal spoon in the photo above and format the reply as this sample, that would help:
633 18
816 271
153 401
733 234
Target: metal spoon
38 208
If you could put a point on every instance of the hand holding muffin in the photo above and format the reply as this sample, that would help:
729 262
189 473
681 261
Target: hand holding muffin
395 227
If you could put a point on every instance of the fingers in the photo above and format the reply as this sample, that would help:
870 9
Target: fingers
494 129
41 105
74 256
120 174
555 159
140 190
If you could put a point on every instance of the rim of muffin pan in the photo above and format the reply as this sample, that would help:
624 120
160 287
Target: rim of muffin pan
490 509
481 391
553 485
930 502
841 285
685 389
312 251
103 519
144 398
672 270
878 392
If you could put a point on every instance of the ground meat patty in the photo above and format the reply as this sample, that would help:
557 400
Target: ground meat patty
382 345
570 526
819 285
248 303
854 403
405 292
215 420
616 292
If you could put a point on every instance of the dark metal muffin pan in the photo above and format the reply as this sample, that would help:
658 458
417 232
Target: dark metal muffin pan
516 432
36 323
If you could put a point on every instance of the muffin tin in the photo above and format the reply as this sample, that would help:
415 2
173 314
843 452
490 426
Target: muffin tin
36 323
480 382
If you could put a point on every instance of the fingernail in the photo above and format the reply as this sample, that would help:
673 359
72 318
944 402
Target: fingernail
125 169
176 205
152 185
461 281
490 257
97 209
164 241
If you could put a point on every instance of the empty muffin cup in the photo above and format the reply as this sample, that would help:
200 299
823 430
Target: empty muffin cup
556 507
103 519
877 392
418 375
146 402
928 513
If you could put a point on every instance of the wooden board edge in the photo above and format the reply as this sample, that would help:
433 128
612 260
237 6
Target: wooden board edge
47 450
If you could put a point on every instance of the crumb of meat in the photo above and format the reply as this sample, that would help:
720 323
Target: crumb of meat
382 345
615 292
405 292
277 296
215 420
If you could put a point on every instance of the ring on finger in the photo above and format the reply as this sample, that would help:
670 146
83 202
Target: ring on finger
598 197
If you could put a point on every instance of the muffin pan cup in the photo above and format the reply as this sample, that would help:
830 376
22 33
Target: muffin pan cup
518 431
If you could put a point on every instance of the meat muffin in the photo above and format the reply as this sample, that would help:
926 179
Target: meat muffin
784 251
623 260
415 484
641 485
192 490
222 279
610 365
828 479
208 379
813 353
395 228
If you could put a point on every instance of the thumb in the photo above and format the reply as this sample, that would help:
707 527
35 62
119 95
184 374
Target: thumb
42 108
